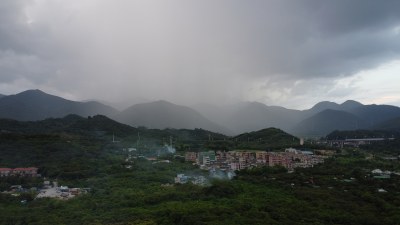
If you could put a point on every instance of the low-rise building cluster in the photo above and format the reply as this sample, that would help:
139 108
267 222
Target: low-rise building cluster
47 190
63 192
237 160
197 180
379 174
22 172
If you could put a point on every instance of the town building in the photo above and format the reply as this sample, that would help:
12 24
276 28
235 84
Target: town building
206 158
191 156
238 160
23 172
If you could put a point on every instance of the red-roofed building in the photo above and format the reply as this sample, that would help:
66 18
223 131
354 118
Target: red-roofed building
25 172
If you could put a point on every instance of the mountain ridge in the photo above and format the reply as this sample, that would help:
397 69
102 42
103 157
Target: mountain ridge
34 105
163 114
327 121
230 119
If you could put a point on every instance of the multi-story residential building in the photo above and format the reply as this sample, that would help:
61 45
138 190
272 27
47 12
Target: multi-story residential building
221 156
234 166
28 172
237 160
205 158
261 157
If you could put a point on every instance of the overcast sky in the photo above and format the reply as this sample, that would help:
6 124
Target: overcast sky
292 53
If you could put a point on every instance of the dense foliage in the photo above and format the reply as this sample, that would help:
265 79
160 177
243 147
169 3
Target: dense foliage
264 139
341 135
387 147
340 191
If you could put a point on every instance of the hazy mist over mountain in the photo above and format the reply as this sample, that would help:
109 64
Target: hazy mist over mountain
228 119
286 53
163 114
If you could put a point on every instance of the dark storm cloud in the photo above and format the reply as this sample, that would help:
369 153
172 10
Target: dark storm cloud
321 38
338 17
12 29
194 50
20 54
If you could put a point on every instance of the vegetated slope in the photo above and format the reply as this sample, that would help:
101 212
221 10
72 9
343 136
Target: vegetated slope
74 124
350 105
73 147
265 138
34 105
375 114
389 146
355 134
163 114
322 106
326 121
391 124
70 148
100 125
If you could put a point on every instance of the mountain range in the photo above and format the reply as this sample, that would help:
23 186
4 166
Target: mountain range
163 114
321 119
34 105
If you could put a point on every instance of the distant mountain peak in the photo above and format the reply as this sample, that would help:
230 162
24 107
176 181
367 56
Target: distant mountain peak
163 114
36 90
325 103
36 93
161 101
351 102
32 91
37 105
321 106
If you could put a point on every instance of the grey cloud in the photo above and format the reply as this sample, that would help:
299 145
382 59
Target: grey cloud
14 66
323 38
337 17
14 32
192 50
